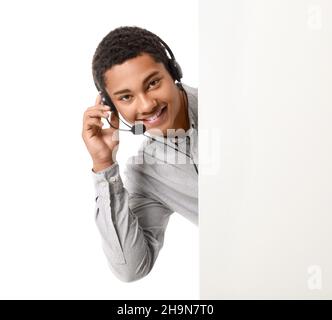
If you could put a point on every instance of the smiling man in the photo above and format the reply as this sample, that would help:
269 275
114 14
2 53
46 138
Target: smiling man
138 76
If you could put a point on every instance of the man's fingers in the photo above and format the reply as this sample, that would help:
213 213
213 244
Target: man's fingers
92 122
97 113
98 107
98 99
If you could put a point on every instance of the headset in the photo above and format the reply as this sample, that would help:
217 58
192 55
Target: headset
139 128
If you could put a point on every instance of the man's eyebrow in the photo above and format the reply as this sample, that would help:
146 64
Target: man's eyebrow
144 81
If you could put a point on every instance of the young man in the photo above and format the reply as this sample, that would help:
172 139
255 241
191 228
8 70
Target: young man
138 74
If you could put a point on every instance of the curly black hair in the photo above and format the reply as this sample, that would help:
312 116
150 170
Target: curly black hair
125 43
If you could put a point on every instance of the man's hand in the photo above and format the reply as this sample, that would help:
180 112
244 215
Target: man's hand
102 144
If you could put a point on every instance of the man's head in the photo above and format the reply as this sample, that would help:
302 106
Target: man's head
134 62
125 43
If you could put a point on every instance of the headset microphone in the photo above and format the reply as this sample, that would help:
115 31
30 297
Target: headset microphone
138 128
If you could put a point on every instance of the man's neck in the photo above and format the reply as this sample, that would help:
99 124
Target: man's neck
183 119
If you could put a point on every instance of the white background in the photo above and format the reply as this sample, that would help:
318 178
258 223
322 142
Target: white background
49 244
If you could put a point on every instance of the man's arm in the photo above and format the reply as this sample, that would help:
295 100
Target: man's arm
132 226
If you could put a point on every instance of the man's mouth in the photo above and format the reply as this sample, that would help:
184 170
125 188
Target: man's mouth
156 116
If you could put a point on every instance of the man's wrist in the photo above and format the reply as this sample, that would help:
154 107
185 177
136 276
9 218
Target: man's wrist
97 167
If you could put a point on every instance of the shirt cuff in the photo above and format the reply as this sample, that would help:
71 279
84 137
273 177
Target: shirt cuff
108 180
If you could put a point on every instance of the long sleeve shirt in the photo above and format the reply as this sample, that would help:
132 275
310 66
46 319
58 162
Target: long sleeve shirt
132 216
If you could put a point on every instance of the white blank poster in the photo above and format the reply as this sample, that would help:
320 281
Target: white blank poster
265 89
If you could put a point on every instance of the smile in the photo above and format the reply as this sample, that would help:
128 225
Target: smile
157 117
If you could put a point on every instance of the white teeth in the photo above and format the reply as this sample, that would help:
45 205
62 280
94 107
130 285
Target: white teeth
155 116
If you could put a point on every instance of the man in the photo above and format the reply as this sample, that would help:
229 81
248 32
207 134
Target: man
132 70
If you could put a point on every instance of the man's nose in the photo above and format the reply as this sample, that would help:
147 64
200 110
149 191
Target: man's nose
146 104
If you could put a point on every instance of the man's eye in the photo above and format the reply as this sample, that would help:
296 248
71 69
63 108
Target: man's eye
153 83
125 98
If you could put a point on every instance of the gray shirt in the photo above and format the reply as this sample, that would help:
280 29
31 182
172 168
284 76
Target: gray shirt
132 216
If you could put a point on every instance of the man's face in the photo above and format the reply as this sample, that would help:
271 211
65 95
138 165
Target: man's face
143 90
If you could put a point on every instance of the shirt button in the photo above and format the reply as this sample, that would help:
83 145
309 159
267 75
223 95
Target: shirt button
114 179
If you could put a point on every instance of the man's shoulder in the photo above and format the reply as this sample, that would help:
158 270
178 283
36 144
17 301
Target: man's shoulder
191 90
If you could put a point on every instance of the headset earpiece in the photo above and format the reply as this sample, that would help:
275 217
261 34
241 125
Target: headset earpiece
175 68
107 101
